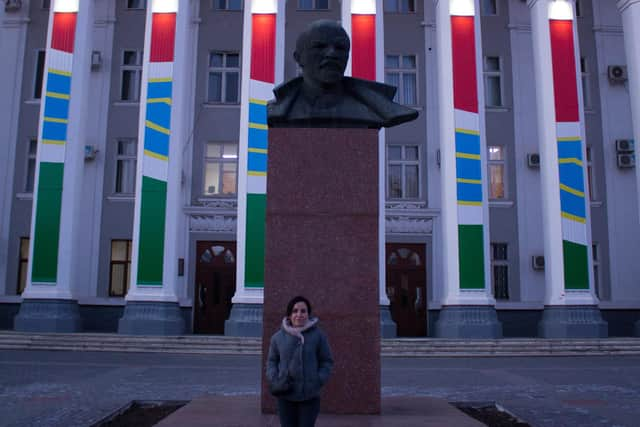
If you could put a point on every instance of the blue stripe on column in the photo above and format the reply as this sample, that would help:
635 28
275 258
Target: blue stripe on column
468 168
571 176
257 162
159 90
258 138
572 204
56 131
257 113
160 114
156 142
466 143
570 149
58 83
469 192
56 108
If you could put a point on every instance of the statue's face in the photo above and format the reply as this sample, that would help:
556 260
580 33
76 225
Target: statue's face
325 55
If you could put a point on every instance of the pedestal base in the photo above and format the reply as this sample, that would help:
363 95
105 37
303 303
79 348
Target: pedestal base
48 315
388 328
151 318
468 322
572 322
245 320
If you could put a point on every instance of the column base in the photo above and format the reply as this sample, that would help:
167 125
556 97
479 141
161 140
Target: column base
388 328
48 315
151 318
578 321
245 320
468 322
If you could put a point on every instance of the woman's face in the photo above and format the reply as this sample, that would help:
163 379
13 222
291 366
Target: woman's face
299 314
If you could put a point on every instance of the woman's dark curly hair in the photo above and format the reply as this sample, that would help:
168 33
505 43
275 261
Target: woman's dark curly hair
296 300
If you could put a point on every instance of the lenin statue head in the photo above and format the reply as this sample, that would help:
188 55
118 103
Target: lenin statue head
323 96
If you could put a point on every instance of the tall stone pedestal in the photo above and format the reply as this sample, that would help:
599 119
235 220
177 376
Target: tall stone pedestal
321 241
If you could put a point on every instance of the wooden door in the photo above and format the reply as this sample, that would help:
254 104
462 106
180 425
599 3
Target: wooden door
407 288
214 287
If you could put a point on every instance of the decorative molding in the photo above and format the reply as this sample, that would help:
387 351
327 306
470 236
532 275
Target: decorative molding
212 223
225 203
625 4
614 29
405 205
408 224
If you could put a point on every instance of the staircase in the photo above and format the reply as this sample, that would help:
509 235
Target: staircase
400 347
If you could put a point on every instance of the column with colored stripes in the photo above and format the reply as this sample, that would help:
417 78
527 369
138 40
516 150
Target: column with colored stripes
153 152
570 149
51 148
259 80
468 153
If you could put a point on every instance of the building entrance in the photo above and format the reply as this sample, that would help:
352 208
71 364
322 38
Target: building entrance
214 286
407 288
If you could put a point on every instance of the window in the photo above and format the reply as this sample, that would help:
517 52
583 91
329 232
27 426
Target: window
136 4
227 4
590 176
489 7
131 75
578 8
224 78
31 165
399 6
584 76
400 71
119 269
126 152
595 248
46 4
313 4
496 165
500 270
221 169
37 86
492 81
23 264
403 172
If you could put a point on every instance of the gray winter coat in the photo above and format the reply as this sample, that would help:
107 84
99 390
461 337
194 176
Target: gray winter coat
308 365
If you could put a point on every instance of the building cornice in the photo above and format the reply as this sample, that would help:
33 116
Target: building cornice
623 5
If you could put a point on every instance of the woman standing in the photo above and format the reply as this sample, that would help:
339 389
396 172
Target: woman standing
298 365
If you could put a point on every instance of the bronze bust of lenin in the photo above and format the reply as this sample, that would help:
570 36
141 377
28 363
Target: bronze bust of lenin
323 96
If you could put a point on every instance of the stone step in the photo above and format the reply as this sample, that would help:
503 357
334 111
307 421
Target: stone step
397 347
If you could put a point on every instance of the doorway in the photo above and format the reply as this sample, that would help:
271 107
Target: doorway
406 288
214 286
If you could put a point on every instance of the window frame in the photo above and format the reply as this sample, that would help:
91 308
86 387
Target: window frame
482 9
23 263
595 258
45 5
502 162
398 9
125 158
127 268
499 263
585 79
314 6
31 156
224 70
487 74
219 160
40 81
137 69
400 71
591 178
403 162
226 8
128 7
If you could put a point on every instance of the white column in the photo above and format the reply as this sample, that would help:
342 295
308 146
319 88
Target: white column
630 11
13 37
70 233
555 294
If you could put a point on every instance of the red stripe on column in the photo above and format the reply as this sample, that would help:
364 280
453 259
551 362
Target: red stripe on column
163 36
463 47
64 31
565 82
263 47
363 46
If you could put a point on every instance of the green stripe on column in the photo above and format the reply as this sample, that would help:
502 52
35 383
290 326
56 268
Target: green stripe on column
47 230
576 266
153 206
471 256
254 241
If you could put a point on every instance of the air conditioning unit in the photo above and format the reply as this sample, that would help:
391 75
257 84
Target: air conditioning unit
533 160
537 262
624 146
626 160
617 73
12 5
90 152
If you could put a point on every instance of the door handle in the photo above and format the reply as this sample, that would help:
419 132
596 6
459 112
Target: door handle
202 296
418 303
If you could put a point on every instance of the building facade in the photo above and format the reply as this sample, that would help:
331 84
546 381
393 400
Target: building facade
133 162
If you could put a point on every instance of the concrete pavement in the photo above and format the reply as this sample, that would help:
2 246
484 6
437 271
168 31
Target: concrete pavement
48 388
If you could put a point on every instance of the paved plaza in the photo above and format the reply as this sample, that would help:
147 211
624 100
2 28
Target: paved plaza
47 388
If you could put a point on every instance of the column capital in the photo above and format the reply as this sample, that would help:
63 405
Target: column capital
625 4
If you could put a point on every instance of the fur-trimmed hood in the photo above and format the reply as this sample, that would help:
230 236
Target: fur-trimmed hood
297 332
